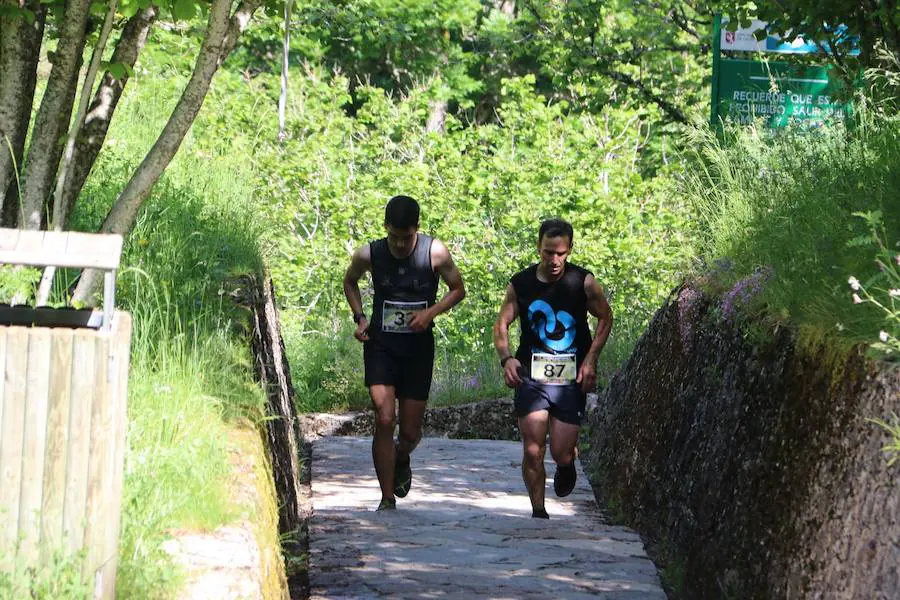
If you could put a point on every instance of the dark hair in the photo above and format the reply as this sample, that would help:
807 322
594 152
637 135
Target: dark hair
556 228
401 212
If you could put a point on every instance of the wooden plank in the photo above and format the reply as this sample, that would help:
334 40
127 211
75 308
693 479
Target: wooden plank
35 442
11 437
94 531
122 332
57 444
3 541
63 249
30 241
79 438
8 239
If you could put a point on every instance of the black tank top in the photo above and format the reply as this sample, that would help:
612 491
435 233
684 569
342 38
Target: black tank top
552 316
402 286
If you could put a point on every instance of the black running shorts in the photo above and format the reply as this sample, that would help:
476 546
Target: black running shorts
564 402
410 374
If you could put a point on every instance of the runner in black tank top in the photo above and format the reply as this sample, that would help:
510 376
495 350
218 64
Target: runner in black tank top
398 343
402 287
555 364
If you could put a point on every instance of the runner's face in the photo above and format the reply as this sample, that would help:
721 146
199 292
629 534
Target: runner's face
401 241
554 252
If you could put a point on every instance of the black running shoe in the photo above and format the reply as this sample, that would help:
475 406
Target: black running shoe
387 504
564 480
402 477
539 514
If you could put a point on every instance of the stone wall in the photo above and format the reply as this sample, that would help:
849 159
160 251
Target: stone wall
751 467
486 420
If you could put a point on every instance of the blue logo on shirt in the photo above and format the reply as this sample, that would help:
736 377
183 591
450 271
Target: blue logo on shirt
556 330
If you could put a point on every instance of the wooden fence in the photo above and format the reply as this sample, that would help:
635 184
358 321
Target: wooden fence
62 444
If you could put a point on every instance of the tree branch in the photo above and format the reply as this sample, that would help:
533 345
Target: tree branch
99 116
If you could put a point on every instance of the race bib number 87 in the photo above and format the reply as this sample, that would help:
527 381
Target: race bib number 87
396 316
553 369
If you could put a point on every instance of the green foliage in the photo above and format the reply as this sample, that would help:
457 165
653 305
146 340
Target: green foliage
483 191
325 366
18 282
883 289
785 204
58 577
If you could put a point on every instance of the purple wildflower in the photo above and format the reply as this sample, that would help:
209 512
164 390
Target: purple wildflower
745 290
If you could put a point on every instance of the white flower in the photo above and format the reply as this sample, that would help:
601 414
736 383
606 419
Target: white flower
857 299
894 293
883 336
840 326
854 283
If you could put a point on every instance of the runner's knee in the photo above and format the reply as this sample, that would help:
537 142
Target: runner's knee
385 419
534 453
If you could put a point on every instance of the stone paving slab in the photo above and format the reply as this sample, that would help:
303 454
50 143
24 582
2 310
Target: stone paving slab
464 531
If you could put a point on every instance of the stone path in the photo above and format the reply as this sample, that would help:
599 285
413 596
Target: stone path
464 531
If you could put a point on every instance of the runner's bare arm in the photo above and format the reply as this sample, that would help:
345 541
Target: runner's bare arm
446 269
598 307
509 310
359 264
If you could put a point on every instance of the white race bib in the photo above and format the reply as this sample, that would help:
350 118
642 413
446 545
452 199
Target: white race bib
553 369
396 316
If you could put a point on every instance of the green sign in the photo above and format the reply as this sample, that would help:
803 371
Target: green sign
776 92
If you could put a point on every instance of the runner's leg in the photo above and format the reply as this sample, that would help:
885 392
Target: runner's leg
411 415
533 428
383 402
563 440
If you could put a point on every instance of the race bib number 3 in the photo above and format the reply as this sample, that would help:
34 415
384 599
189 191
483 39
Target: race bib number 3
553 369
396 316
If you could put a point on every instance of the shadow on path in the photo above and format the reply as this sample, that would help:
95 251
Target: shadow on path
464 531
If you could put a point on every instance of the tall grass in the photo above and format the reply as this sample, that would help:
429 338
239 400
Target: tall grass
783 204
190 364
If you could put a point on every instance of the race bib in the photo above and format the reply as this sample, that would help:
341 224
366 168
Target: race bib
553 369
396 316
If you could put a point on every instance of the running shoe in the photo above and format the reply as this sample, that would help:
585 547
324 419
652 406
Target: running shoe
539 513
387 504
564 480
402 477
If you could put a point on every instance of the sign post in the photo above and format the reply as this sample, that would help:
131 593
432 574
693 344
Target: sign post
778 92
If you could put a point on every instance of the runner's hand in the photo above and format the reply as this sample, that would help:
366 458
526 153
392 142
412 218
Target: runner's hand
511 373
362 330
587 377
421 320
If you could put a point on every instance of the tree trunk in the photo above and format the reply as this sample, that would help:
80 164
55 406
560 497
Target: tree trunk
437 116
20 44
285 55
507 7
54 114
221 36
96 123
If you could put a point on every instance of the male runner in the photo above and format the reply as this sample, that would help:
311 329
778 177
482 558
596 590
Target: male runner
555 365
398 343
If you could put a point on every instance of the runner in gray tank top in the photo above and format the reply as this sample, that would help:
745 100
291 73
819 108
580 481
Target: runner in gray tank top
555 365
398 344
